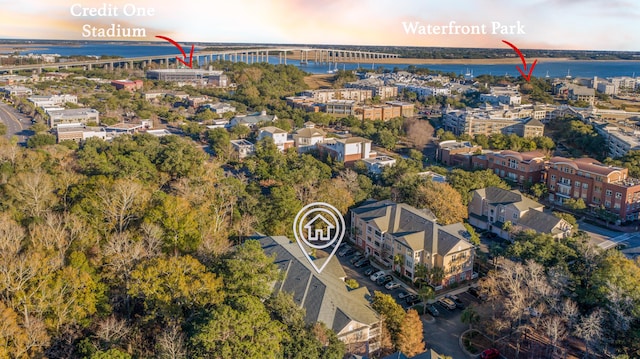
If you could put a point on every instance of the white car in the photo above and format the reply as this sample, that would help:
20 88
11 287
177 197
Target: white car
374 277
392 285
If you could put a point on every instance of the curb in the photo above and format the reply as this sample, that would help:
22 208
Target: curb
464 350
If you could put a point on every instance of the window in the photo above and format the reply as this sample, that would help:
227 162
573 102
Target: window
553 177
618 195
399 247
609 193
607 204
577 184
585 185
377 233
515 216
616 206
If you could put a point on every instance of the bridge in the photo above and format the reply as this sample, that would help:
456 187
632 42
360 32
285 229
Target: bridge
203 58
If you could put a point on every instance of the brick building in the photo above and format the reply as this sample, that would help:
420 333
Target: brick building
518 167
597 184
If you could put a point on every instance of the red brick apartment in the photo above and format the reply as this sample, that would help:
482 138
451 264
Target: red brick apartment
597 184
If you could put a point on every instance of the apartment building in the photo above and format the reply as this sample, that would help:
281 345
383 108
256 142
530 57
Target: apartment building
598 185
376 86
401 236
486 122
502 95
523 168
454 153
325 296
326 95
492 207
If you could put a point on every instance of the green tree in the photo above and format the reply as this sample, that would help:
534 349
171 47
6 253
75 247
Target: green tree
244 330
178 157
111 354
41 140
179 222
470 316
391 312
249 271
174 287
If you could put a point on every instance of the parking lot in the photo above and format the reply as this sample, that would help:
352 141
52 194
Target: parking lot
440 334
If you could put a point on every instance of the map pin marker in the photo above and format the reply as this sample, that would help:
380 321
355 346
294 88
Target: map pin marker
318 225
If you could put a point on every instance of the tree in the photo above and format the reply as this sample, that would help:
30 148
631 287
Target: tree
539 190
41 140
244 330
575 204
443 201
179 223
470 316
175 286
410 338
249 271
436 275
391 312
426 293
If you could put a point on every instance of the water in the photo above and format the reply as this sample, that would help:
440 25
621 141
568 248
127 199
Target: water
553 68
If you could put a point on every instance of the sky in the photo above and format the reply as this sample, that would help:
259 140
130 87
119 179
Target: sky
547 24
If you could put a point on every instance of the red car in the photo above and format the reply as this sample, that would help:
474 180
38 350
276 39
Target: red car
490 354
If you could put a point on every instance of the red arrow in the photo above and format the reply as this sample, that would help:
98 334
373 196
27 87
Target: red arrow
184 55
524 62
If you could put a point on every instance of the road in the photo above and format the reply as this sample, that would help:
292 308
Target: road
17 123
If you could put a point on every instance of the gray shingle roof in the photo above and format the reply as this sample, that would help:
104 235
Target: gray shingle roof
324 296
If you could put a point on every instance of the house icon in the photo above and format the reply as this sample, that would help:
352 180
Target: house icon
318 234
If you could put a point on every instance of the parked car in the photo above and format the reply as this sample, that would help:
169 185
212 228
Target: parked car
456 300
432 310
343 251
392 285
492 353
384 279
476 293
403 294
412 299
356 258
447 303
349 252
370 270
374 277
362 262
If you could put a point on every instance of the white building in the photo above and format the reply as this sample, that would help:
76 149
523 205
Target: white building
505 95
377 164
53 100
80 116
279 137
348 149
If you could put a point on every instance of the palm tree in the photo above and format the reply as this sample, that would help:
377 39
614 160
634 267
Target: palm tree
470 316
426 293
436 274
398 261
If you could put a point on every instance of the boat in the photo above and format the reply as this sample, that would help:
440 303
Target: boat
547 75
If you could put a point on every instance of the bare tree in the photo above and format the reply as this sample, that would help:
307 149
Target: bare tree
122 202
32 192
589 329
112 330
171 343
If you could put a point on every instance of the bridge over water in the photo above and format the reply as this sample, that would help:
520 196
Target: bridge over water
203 58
